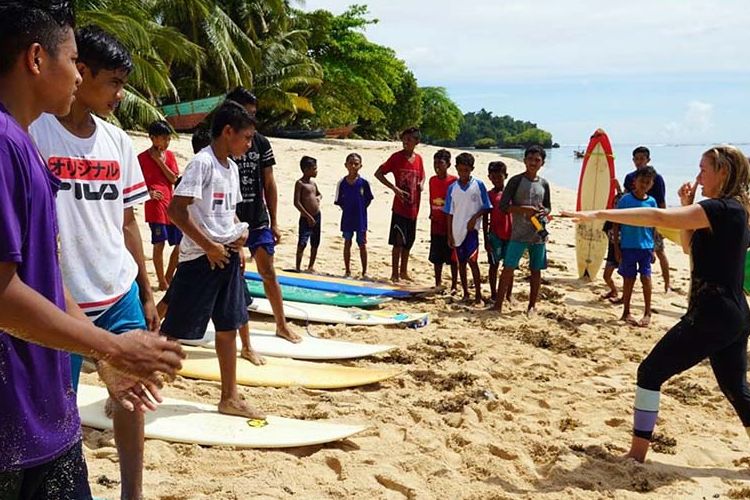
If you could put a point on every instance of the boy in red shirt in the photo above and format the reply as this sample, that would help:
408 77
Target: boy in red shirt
408 174
440 251
160 172
500 223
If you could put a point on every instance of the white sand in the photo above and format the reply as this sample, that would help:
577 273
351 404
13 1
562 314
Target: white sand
490 406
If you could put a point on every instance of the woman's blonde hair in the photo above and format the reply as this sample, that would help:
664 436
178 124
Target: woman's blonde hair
737 182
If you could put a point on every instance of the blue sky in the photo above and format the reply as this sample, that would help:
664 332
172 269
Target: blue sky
647 71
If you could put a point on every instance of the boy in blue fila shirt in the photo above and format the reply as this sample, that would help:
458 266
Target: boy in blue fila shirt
353 195
636 246
466 204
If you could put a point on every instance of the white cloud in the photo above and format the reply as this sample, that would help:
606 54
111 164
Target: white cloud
542 39
696 122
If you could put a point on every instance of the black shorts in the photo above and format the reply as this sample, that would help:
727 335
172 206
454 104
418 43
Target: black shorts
405 228
309 233
198 293
64 477
440 251
610 260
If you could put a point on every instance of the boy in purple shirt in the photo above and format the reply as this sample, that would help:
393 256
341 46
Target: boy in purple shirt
41 454
353 195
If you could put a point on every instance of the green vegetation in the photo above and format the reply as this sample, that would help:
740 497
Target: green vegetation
308 69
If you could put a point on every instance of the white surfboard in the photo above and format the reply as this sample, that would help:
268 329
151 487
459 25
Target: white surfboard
181 421
311 348
319 313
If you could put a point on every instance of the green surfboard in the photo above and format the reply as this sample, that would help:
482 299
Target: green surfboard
746 284
299 294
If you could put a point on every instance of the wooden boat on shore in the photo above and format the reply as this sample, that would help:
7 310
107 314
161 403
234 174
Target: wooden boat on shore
185 116
340 132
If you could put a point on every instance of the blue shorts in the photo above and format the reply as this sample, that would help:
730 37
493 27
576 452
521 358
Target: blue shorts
126 314
537 255
261 238
309 233
468 250
165 232
634 261
498 247
361 236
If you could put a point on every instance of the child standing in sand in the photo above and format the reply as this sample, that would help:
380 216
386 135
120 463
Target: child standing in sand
440 252
636 246
612 261
408 174
160 172
465 206
208 283
527 197
353 195
497 228
307 201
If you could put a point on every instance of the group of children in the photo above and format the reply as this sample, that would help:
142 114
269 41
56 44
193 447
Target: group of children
460 206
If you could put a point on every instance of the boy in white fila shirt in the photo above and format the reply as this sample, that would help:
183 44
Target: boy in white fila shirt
208 283
100 243
465 205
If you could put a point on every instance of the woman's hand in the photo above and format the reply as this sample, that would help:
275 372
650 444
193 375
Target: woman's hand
687 193
578 217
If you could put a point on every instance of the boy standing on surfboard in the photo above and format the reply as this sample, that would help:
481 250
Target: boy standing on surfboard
636 246
527 198
440 251
408 175
641 159
208 283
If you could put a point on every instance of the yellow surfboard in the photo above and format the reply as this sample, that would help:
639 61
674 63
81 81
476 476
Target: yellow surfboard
279 372
672 235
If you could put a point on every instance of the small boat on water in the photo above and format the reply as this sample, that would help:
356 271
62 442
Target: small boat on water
185 116
298 134
577 153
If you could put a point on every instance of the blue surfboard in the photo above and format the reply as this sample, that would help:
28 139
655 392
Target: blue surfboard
327 286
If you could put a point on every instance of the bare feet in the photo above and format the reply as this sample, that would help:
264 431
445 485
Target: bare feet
531 312
616 300
347 274
629 319
252 356
478 301
287 334
406 277
645 320
310 269
240 408
609 295
394 278
638 449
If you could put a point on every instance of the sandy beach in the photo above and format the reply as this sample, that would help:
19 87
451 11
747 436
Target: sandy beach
487 407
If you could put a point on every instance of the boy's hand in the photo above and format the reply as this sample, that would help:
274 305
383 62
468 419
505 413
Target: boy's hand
472 222
310 221
276 233
404 195
155 194
451 242
142 355
152 316
217 255
131 393
243 260
156 154
238 244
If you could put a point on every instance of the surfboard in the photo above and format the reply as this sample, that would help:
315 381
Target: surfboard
281 372
330 278
318 313
672 235
595 191
304 281
311 348
310 296
746 283
180 421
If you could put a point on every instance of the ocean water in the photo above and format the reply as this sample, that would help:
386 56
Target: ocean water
676 163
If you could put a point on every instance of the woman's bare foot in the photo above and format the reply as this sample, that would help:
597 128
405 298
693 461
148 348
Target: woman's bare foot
252 356
240 408
287 334
638 449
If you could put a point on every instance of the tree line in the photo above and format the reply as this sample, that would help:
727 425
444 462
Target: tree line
309 70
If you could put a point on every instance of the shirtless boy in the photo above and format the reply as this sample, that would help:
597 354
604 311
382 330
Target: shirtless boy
307 201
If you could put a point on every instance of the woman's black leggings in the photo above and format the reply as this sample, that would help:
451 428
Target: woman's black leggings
683 347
